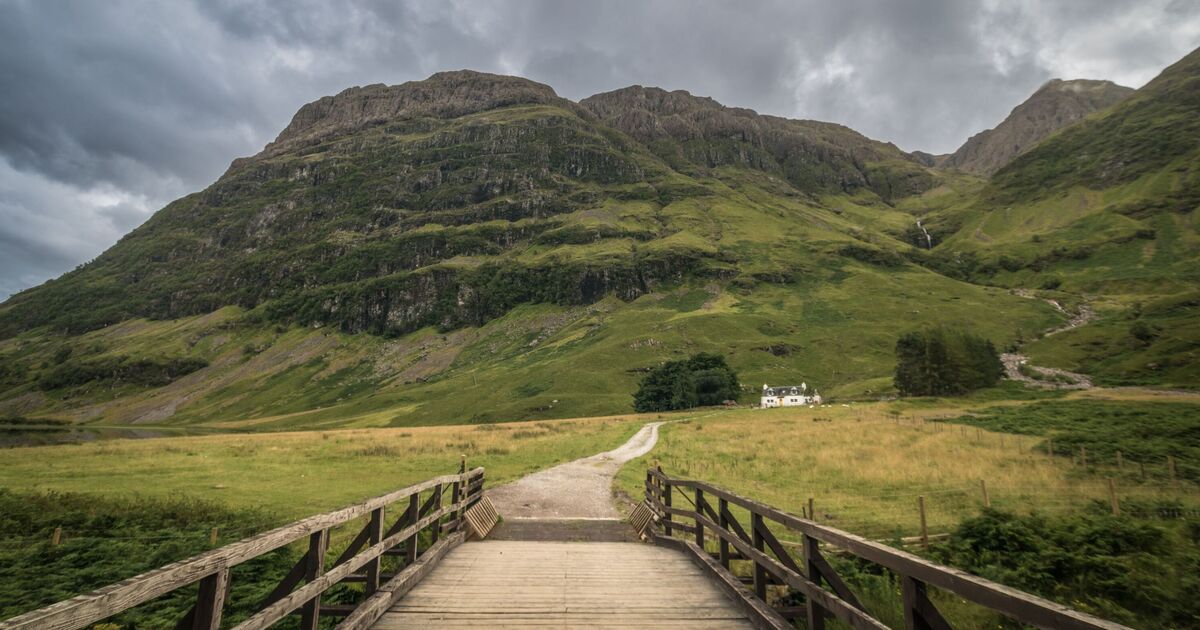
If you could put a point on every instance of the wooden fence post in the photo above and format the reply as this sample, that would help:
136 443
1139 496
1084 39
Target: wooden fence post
212 537
667 520
983 488
723 545
1050 447
814 613
310 613
811 513
699 514
210 601
924 530
56 537
1112 497
760 574
410 545
375 536
435 528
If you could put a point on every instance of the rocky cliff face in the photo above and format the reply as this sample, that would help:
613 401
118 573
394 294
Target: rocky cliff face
444 95
698 132
448 201
1054 106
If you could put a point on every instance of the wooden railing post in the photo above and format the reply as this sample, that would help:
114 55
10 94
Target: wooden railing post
760 573
455 495
699 514
410 545
919 611
722 510
812 550
436 527
375 536
210 601
666 500
310 613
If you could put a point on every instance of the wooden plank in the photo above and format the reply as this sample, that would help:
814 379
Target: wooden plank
829 601
565 585
84 610
1008 601
761 615
373 607
281 608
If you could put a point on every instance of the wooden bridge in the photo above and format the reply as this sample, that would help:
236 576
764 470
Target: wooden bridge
712 559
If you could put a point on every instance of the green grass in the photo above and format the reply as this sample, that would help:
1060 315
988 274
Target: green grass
1048 531
291 475
1145 433
145 503
105 539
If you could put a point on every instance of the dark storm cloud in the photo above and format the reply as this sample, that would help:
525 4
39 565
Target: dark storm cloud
108 110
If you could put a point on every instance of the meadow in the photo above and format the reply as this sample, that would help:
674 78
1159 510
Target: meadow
1044 523
126 506
864 466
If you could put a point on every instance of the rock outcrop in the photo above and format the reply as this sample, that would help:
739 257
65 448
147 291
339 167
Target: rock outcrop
1055 105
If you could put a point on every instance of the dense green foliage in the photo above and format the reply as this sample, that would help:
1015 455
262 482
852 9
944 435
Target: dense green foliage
105 540
945 362
1140 572
120 371
702 380
1145 433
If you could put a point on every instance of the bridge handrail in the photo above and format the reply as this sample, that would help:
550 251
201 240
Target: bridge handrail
211 568
807 574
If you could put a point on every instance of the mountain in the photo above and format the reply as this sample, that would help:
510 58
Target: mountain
474 248
1055 105
1105 208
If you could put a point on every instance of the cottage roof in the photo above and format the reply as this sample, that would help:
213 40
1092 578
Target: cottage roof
785 390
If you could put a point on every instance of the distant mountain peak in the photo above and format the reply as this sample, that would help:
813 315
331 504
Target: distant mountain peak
443 95
1056 104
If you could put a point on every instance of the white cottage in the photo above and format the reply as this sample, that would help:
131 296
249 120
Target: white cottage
789 396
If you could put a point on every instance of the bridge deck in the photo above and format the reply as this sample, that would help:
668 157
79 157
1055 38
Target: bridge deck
520 584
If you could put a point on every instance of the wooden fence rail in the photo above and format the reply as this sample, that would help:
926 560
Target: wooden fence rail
360 562
708 515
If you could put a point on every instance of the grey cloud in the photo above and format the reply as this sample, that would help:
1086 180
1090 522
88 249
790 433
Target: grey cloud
111 109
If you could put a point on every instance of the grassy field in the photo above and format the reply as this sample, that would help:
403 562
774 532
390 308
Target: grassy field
127 506
292 475
1048 530
865 468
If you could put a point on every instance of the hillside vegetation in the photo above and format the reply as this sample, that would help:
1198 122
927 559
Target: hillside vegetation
475 248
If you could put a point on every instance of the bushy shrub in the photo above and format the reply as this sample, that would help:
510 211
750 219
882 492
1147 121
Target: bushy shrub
702 380
943 362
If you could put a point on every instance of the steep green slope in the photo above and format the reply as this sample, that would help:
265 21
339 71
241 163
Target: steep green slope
1055 105
1106 209
475 248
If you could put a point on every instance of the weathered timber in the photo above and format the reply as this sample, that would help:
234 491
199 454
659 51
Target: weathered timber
87 609
1007 601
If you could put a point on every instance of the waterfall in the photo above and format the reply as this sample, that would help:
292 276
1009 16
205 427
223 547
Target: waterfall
928 238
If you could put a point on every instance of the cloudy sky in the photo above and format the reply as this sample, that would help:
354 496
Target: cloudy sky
110 109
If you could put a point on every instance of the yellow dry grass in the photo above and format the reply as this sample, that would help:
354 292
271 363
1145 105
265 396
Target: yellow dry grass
865 470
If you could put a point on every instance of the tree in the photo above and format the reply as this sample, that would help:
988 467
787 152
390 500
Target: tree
942 362
701 380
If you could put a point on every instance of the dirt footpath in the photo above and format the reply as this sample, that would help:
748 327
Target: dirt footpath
581 489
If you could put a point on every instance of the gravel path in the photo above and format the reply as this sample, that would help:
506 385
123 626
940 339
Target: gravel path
581 489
